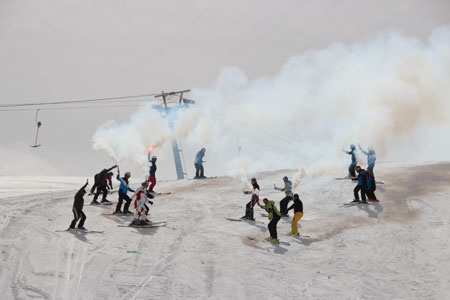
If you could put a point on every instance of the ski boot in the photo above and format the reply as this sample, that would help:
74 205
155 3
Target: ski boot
294 233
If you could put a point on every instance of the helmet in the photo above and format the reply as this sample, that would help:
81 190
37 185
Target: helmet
352 146
144 183
127 174
357 168
154 157
253 180
265 199
285 178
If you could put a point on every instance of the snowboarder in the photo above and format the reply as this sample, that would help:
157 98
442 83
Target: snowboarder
198 163
361 186
152 177
298 214
253 200
351 167
123 190
140 198
371 158
274 216
371 186
288 192
101 182
77 208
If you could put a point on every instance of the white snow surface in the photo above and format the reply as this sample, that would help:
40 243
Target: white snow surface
396 249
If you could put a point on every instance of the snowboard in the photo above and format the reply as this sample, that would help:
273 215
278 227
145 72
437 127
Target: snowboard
151 225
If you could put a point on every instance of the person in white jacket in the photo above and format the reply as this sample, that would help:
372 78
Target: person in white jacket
140 198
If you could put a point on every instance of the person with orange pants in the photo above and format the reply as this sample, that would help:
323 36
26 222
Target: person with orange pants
298 214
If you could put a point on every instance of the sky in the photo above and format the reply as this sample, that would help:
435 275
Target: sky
68 50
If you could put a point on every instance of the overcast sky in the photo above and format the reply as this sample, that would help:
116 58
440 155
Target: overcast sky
64 50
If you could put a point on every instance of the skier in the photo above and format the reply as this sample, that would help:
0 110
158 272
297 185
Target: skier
102 184
274 216
371 158
351 168
288 192
97 179
123 190
253 200
77 208
298 214
140 198
152 177
361 186
198 163
371 187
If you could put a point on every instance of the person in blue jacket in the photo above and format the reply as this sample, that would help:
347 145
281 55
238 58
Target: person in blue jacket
351 167
361 186
198 163
371 158
123 190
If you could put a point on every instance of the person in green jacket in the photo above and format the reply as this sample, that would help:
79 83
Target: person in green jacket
274 216
77 208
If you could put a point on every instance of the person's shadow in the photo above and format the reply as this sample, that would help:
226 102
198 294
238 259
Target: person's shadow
371 213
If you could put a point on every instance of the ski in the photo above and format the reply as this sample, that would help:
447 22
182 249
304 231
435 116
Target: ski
239 220
117 214
350 204
101 203
162 194
80 230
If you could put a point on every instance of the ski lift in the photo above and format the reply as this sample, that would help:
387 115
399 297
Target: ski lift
38 124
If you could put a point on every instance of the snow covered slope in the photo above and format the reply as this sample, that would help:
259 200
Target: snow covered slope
396 249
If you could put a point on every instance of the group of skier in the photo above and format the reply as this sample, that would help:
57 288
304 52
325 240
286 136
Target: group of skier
102 182
365 177
270 207
142 195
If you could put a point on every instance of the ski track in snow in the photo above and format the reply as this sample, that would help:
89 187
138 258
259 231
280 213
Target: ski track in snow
395 249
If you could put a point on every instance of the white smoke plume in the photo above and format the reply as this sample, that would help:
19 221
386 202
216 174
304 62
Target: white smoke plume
389 92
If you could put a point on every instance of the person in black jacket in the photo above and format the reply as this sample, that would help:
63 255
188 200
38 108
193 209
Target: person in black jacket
77 208
361 186
152 177
298 214
102 179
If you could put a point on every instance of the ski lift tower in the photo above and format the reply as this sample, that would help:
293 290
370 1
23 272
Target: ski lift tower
172 103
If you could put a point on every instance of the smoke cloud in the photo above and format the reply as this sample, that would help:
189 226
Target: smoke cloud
391 93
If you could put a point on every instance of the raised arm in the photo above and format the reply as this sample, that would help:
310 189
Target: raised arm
362 150
113 167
